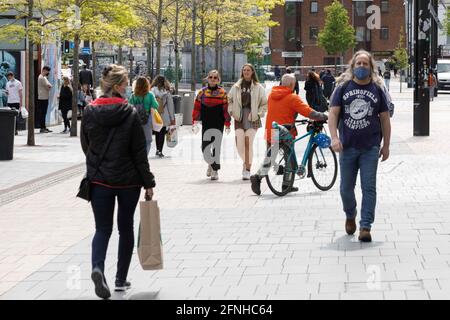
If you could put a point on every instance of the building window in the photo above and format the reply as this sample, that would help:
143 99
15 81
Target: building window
384 6
314 7
290 34
360 8
313 33
290 9
329 61
360 34
384 33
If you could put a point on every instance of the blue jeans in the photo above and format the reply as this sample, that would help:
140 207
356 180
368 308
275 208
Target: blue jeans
103 201
366 161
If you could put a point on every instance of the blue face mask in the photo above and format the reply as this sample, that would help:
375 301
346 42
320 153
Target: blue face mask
361 73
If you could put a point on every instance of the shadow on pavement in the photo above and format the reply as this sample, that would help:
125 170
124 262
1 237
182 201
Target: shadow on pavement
351 243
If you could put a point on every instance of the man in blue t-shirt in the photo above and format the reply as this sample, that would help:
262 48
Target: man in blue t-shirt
360 108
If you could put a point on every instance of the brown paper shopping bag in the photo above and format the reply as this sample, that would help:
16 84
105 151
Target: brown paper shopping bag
149 239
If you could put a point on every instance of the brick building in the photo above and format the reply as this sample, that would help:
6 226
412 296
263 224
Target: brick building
294 41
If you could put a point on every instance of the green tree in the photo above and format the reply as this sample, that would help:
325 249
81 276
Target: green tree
401 55
338 35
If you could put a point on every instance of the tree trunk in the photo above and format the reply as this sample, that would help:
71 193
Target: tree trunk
193 64
220 56
177 15
401 81
75 85
131 74
94 65
149 57
31 107
202 37
158 37
233 69
217 42
120 56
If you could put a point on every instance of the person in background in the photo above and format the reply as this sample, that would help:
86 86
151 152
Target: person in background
86 78
44 88
14 92
81 100
161 90
143 95
387 78
296 88
121 175
328 83
65 102
311 84
247 104
211 108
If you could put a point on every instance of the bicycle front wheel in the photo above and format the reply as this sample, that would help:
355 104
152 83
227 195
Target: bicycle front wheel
281 175
322 167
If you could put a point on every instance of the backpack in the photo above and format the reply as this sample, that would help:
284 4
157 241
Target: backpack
381 91
142 113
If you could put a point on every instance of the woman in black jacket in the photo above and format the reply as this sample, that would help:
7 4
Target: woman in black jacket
65 102
312 84
121 174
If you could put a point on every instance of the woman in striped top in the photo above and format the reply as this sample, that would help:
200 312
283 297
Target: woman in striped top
211 109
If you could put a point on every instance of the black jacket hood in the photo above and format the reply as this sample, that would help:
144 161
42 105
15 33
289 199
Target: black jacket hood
110 112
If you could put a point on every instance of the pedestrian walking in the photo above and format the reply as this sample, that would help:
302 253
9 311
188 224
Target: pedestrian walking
161 90
360 105
81 100
86 78
43 88
211 108
283 107
143 95
4 68
328 83
432 83
311 84
14 90
247 104
65 102
387 78
112 128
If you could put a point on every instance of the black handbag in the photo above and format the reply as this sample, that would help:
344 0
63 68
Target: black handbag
84 191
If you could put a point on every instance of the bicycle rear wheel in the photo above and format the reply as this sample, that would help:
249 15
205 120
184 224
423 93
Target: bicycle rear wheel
322 167
281 175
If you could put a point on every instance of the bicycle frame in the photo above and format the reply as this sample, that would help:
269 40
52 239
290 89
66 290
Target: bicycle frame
292 153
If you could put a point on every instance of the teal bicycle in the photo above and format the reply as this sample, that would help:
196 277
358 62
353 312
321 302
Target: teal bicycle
319 161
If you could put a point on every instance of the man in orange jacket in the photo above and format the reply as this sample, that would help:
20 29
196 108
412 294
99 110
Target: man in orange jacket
283 107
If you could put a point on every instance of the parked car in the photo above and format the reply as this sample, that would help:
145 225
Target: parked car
443 70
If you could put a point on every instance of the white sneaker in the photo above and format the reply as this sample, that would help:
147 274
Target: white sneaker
208 172
214 175
245 175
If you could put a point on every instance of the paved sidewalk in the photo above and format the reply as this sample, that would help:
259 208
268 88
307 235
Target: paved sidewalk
223 242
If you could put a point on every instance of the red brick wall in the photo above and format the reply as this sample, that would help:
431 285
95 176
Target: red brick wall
313 55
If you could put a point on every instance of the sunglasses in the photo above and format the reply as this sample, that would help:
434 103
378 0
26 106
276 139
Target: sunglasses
211 77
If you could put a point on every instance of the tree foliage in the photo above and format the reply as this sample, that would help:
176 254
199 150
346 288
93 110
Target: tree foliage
338 35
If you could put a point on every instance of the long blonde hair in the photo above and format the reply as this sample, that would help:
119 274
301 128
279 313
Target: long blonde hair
111 76
348 74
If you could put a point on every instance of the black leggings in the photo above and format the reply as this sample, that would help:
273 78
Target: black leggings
64 112
159 137
211 146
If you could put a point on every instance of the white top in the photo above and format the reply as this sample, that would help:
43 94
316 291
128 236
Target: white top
13 87
43 88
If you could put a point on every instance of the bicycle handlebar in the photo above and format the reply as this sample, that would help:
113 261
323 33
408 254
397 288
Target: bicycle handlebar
307 121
